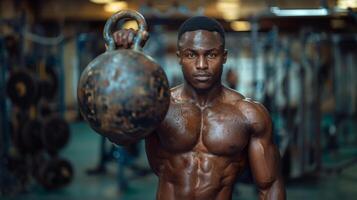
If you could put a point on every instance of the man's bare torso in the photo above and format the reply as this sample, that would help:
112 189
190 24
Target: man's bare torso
197 152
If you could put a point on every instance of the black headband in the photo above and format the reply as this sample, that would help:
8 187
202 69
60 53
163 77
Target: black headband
201 23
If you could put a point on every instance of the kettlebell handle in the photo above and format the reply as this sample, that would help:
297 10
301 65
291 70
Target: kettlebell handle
108 32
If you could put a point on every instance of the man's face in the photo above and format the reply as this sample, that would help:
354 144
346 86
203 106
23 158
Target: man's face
202 55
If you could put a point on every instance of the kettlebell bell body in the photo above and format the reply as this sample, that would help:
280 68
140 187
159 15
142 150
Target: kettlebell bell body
123 93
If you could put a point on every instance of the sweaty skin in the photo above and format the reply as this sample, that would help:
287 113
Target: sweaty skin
210 132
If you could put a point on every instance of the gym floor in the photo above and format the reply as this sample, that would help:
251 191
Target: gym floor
83 152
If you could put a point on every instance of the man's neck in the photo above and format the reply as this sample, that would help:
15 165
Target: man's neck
202 98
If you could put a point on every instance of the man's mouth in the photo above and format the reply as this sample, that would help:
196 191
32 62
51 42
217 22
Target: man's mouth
202 77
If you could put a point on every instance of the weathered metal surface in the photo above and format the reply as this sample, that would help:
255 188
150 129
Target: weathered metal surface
123 94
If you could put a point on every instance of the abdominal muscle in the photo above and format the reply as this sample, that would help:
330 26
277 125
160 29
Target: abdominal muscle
197 175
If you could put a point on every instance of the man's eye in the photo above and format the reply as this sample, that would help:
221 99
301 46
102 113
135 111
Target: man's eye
190 55
212 55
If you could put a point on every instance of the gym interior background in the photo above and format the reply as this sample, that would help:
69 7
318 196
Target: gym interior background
297 57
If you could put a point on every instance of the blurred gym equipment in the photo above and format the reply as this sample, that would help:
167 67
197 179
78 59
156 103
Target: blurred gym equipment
22 89
52 173
27 131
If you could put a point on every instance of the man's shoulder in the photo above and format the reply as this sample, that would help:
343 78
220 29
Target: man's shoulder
249 105
176 92
244 104
232 96
176 89
255 113
240 101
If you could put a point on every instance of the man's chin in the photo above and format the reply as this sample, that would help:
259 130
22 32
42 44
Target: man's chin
202 86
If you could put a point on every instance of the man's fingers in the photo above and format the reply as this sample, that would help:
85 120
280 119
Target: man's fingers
127 42
145 35
118 38
131 39
125 38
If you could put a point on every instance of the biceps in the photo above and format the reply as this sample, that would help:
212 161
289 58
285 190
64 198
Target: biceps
264 162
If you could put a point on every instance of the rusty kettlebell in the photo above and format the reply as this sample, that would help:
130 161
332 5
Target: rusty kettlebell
123 93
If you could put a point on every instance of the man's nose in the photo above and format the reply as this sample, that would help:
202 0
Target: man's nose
202 63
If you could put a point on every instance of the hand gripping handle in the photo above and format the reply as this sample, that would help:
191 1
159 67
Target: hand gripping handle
108 32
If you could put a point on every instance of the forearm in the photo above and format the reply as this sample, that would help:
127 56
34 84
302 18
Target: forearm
274 191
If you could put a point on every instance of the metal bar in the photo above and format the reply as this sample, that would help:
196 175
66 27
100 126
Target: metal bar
61 80
254 41
4 136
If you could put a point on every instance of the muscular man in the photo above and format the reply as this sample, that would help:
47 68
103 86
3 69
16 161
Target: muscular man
210 132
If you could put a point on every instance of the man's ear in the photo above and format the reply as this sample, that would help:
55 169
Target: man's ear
225 53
